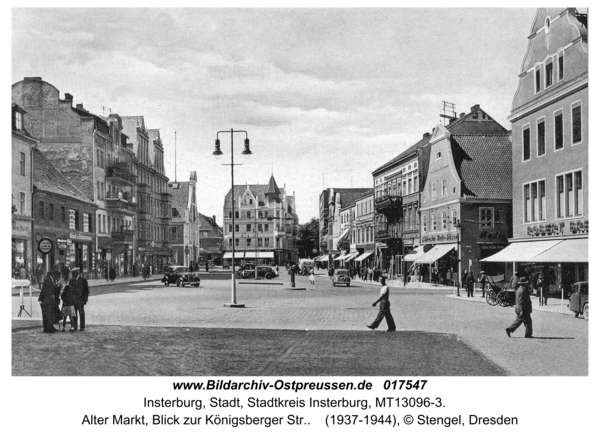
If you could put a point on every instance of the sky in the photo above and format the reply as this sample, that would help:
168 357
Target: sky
326 95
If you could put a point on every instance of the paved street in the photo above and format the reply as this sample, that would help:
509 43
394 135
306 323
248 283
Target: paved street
147 329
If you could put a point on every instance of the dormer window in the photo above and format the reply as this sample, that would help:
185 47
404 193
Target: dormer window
17 120
438 155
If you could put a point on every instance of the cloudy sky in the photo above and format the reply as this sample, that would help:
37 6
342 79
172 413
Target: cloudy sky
326 95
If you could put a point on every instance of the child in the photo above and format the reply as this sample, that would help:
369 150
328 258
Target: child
312 277
68 308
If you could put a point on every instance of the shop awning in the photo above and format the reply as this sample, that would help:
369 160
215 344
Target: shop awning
323 258
415 254
363 256
340 257
522 251
437 252
350 256
569 250
344 235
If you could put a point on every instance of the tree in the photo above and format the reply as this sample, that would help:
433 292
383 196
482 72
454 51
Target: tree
308 238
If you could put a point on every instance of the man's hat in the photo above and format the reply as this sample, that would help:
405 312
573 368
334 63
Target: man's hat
75 269
481 272
523 281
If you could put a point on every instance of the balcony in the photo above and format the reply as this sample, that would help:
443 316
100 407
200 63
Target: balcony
124 236
390 205
120 171
119 205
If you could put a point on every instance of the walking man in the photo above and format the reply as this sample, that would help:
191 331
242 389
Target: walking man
384 308
81 291
522 309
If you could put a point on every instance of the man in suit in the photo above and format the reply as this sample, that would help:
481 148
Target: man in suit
81 291
47 299
522 309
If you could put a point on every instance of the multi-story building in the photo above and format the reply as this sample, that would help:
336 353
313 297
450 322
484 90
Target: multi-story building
550 152
397 188
363 234
184 224
210 241
154 204
63 215
23 251
266 224
77 143
466 201
333 240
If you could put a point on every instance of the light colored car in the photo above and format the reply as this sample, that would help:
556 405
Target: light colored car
578 300
340 277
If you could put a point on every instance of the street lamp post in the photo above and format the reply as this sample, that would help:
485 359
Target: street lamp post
218 153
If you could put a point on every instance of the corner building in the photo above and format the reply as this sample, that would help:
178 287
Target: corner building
550 152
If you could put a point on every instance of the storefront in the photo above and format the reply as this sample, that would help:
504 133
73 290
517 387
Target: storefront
22 250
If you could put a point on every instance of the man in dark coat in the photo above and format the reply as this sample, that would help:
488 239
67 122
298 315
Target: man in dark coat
470 283
81 291
522 309
46 299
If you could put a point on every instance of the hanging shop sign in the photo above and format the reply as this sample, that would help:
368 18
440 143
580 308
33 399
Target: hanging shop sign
444 237
45 245
62 244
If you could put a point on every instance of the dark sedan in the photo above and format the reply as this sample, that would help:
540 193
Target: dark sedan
180 276
341 277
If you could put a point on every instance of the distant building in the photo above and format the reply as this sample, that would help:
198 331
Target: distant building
266 224
550 160
23 250
210 241
184 224
363 234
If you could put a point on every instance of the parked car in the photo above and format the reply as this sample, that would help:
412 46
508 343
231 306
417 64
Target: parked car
341 277
262 271
578 300
181 276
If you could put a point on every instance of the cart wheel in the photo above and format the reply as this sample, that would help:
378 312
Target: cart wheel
586 313
491 298
503 299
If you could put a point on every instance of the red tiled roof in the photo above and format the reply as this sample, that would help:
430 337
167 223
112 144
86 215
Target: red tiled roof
484 164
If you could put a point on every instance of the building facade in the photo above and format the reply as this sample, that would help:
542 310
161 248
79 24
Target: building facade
23 251
466 201
63 215
363 232
550 152
210 241
263 225
184 236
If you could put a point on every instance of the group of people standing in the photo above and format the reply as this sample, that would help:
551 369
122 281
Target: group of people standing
74 297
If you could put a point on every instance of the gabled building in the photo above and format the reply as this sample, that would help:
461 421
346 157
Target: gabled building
550 160
210 241
266 224
184 223
466 201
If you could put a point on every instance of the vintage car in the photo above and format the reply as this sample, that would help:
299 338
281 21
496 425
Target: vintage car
181 276
578 300
340 277
262 271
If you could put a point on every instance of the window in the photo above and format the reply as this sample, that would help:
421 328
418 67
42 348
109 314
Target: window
438 155
230 214
51 212
538 79
229 242
444 188
237 242
534 196
486 217
433 223
425 225
266 242
86 222
250 201
444 221
576 120
560 200
415 184
41 210
237 214
18 120
542 201
454 217
248 227
534 202
526 203
404 187
22 164
248 242
248 215
260 241
549 73
237 227
72 219
21 203
260 214
104 223
569 201
526 143
260 227
266 227
578 198
558 130
541 137
561 65
433 191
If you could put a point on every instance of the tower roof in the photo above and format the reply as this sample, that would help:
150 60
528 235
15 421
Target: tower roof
272 187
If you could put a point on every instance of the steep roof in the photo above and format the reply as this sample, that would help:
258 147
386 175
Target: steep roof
484 164
48 179
410 150
259 191
272 187
181 195
349 197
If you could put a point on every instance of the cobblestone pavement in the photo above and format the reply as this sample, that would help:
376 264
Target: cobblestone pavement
560 346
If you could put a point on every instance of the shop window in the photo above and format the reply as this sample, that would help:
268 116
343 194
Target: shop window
486 217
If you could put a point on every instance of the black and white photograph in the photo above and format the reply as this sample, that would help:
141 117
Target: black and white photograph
318 217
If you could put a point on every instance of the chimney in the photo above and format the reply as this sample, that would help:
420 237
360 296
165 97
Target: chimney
473 108
425 135
68 97
214 219
462 114
79 106
33 79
